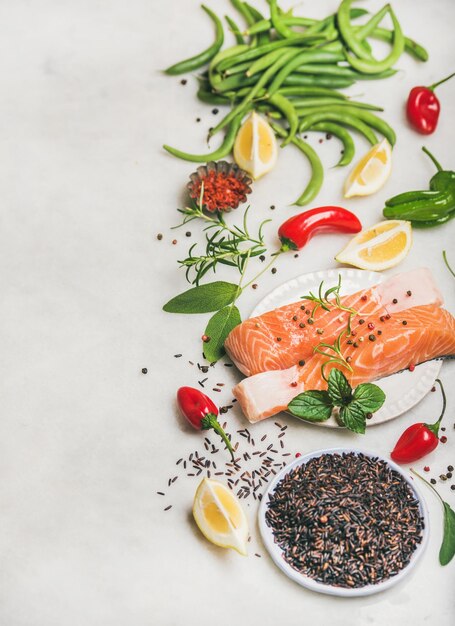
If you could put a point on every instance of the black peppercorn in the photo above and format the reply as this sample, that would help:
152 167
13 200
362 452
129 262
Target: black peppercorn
301 363
372 337
144 370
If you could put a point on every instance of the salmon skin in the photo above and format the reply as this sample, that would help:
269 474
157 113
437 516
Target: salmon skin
283 337
407 338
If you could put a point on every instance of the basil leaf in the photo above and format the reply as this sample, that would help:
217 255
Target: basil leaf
339 389
218 328
368 396
353 417
447 550
203 299
314 406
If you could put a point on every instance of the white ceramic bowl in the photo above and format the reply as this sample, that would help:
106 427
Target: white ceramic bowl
277 554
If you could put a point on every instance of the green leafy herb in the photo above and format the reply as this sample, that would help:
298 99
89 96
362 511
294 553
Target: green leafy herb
314 406
204 299
447 550
354 405
368 396
218 328
322 301
334 356
339 389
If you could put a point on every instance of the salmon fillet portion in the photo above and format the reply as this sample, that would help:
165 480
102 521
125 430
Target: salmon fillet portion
281 338
408 338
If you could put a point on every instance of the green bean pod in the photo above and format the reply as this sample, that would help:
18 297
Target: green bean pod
410 46
193 63
320 81
317 176
278 23
372 66
306 103
235 30
287 108
312 91
221 152
261 64
343 136
341 117
347 31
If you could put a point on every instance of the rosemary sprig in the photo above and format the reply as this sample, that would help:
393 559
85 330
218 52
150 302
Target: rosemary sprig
336 356
322 302
225 245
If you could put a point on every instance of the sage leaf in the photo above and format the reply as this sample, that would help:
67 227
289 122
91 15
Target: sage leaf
314 406
204 298
353 417
368 396
447 550
338 388
218 328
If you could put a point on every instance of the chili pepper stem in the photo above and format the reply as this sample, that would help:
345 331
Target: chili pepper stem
426 481
211 421
435 161
435 427
434 85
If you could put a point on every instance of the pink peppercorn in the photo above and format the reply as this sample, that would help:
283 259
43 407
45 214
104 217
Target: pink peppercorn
363 298
371 325
426 468
412 367
297 454
443 439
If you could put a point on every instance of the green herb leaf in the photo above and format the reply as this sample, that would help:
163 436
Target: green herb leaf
314 406
353 417
218 328
203 299
338 388
447 550
369 397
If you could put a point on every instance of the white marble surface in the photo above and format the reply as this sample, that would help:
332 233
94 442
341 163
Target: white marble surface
86 440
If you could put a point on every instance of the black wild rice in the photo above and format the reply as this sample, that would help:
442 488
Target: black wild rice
345 520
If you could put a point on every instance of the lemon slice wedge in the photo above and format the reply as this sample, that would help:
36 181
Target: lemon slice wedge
371 172
380 247
255 147
219 516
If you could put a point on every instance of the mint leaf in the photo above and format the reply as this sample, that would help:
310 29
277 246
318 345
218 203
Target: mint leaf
353 417
218 328
203 299
314 406
338 388
447 550
369 397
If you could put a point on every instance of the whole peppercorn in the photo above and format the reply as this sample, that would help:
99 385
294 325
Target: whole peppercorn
452 487
295 318
426 468
409 293
372 337
450 468
297 454
443 439
310 321
394 301
404 322
302 363
361 321
371 325
159 236
379 332
274 270
432 481
302 325
449 474
144 370
205 338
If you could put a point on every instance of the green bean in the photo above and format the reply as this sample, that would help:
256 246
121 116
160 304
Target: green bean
343 136
214 75
224 149
297 61
312 91
241 68
263 80
263 37
211 98
384 74
264 62
278 23
244 11
235 30
326 70
321 81
266 25
411 46
371 66
366 29
302 103
342 117
347 31
287 108
193 63
317 176
237 81
254 53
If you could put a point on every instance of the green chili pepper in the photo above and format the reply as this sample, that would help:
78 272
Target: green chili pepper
193 63
427 208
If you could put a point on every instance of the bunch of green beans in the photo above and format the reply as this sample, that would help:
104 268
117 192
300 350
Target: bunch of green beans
290 69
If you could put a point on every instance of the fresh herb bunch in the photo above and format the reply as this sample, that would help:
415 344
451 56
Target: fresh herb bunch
225 245
335 355
322 301
355 405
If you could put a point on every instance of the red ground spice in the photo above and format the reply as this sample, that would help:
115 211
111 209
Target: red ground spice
225 186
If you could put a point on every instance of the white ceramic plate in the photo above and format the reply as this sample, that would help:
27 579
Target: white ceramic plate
403 390
277 554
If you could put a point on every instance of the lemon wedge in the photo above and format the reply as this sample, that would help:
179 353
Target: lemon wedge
255 148
382 246
219 516
371 172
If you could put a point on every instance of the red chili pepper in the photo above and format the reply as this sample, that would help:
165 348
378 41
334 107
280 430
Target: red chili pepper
419 439
201 412
298 230
423 107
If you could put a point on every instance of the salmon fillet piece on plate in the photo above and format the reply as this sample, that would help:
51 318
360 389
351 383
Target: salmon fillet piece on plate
383 344
276 340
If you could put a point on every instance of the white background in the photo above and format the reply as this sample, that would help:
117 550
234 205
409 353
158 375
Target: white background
86 440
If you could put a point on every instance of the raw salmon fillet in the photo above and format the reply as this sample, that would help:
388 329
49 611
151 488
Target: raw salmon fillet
408 338
276 340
